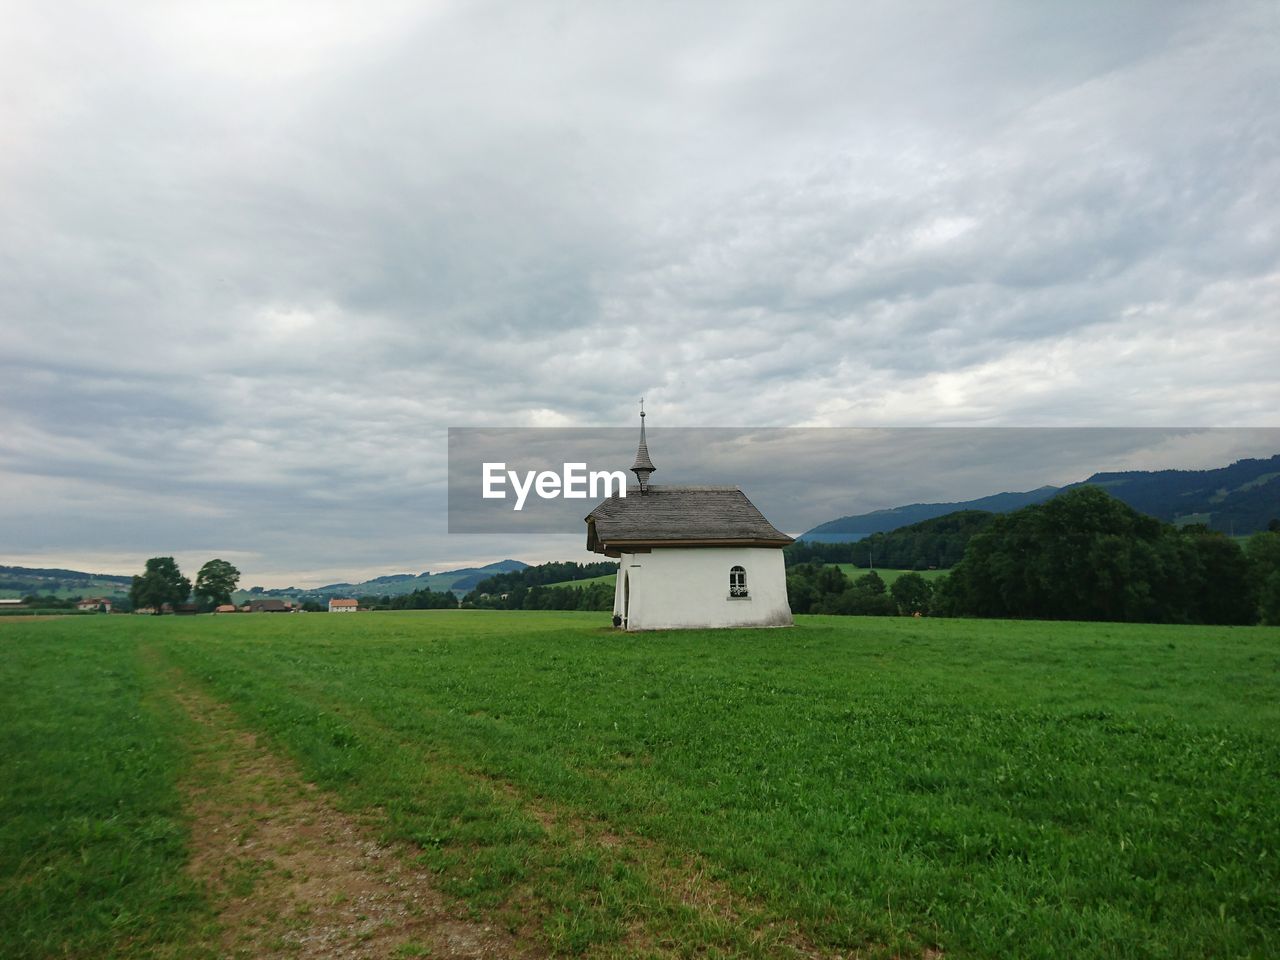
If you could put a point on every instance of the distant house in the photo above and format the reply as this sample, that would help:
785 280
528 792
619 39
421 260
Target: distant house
269 605
343 605
185 609
11 602
226 608
94 603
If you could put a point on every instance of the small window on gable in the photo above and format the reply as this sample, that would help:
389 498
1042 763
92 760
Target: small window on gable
737 582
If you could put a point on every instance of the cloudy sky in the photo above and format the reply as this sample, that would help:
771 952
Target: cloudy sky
257 257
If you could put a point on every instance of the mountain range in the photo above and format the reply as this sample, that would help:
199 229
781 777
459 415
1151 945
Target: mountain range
1237 499
460 581
21 581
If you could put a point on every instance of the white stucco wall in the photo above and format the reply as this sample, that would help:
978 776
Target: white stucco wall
680 587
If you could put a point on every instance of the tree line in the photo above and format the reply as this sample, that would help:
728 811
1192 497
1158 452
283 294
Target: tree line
590 596
50 601
546 586
937 543
423 598
1083 555
542 574
819 588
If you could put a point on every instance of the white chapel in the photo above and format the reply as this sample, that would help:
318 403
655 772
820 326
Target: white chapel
690 557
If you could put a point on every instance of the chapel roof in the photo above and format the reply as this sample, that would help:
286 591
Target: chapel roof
676 516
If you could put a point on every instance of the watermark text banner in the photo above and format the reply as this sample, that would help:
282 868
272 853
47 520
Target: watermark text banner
546 480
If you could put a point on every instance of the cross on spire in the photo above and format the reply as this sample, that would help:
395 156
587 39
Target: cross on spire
643 465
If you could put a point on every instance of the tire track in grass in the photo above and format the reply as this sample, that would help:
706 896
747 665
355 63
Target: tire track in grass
586 888
692 900
294 877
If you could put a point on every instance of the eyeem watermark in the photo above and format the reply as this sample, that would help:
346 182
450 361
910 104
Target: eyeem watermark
829 483
574 482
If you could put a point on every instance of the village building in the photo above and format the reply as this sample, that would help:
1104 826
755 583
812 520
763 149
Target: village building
94 603
344 605
226 608
268 605
690 557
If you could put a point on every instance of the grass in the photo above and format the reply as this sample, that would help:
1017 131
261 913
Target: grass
92 832
990 789
888 576
609 578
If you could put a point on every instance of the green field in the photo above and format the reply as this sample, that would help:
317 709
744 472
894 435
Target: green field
609 578
888 576
850 787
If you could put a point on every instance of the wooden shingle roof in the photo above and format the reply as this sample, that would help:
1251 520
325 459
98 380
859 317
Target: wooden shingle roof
679 516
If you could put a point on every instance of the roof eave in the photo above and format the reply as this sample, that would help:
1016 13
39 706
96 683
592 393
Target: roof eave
629 546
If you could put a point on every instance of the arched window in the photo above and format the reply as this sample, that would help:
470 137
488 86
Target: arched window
737 582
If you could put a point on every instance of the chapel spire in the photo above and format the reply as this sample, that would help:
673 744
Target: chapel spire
643 465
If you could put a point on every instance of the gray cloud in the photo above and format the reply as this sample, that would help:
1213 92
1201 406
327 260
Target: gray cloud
254 260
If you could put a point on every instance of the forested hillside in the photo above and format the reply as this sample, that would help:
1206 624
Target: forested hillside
936 543
1238 499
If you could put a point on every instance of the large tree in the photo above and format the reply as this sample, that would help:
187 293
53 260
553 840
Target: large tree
811 585
911 592
1269 600
161 582
1263 550
867 596
215 583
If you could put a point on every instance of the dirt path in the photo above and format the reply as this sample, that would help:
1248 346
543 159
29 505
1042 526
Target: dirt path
294 877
